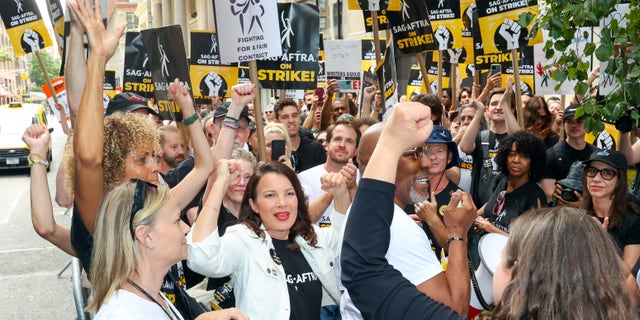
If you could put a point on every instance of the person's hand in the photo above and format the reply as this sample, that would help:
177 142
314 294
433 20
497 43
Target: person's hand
369 93
101 43
493 81
460 214
557 194
409 125
378 105
242 94
604 224
227 171
224 314
333 183
286 160
179 93
332 87
482 224
37 137
427 210
350 172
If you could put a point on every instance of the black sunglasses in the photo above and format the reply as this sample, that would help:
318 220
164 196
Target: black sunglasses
142 187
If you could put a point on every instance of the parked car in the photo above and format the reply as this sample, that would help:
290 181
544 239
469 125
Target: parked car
15 117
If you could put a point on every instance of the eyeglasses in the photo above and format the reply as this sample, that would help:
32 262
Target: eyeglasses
142 187
606 174
497 208
417 152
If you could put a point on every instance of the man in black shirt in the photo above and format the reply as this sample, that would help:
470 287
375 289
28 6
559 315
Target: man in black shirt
306 153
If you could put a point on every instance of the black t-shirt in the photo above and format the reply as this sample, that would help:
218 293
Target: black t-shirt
628 232
561 156
478 163
309 154
551 140
515 203
225 220
305 289
442 199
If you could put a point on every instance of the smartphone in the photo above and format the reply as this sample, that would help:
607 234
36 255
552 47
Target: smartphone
496 68
277 149
320 94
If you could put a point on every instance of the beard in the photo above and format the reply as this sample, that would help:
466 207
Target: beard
417 196
173 161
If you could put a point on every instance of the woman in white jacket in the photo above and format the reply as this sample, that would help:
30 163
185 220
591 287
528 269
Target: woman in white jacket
281 265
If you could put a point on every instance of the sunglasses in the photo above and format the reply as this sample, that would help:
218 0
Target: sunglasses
139 196
417 152
606 174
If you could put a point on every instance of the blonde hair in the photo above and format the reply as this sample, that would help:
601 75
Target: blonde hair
280 129
114 250
123 133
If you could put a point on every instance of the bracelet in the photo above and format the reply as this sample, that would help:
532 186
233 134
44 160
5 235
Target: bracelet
231 124
33 161
190 120
454 239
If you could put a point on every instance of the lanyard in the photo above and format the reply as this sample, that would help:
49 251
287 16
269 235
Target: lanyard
135 285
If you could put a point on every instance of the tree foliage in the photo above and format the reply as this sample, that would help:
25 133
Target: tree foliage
51 64
5 56
619 44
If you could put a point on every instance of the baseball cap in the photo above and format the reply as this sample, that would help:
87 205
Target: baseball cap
570 112
611 157
128 102
441 135
574 178
221 112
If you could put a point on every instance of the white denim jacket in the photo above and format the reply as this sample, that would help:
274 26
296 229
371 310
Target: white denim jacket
258 282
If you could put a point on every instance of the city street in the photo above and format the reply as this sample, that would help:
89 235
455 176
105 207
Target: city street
30 288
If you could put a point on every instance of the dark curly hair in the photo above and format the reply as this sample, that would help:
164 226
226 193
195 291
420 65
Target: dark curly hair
431 101
302 226
527 144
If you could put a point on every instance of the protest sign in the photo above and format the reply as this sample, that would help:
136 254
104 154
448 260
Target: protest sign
248 30
25 27
343 62
415 85
467 67
446 23
243 74
499 28
109 83
412 31
374 5
432 69
381 16
56 15
544 83
167 61
61 94
136 76
297 67
210 77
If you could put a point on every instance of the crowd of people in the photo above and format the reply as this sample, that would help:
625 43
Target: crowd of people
358 211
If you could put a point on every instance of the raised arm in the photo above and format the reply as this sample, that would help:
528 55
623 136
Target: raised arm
75 67
631 152
37 138
207 222
367 100
378 290
468 141
89 133
509 118
186 190
327 107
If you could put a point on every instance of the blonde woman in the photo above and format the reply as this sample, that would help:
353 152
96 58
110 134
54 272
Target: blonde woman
277 131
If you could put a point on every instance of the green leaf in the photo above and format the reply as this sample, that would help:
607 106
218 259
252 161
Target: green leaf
589 109
635 115
579 112
589 48
603 52
635 72
524 19
581 88
559 75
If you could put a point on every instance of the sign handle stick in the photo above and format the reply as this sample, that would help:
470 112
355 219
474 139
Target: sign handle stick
423 70
516 82
440 63
46 77
453 84
257 105
376 45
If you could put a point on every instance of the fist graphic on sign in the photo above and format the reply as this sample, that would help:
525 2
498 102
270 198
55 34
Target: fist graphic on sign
442 35
510 31
32 40
214 82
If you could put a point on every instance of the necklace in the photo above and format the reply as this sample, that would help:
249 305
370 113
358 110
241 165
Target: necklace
135 285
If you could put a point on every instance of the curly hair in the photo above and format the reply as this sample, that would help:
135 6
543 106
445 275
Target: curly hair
302 226
527 144
123 133
563 266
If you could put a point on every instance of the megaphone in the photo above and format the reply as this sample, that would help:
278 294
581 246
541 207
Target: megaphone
490 250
